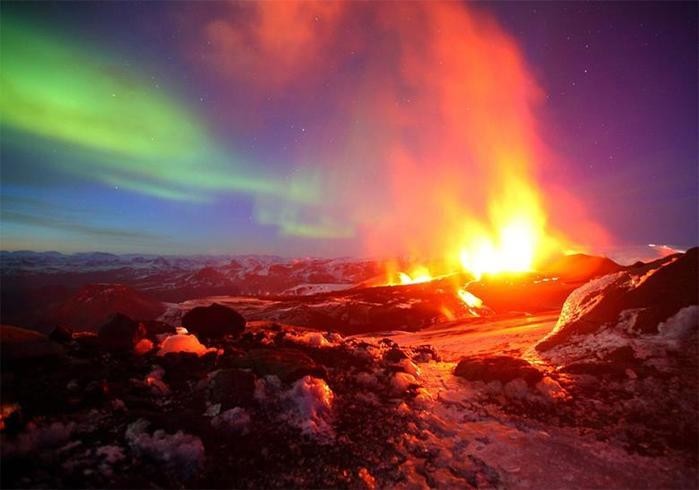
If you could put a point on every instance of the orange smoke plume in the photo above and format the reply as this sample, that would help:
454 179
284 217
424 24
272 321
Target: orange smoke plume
431 145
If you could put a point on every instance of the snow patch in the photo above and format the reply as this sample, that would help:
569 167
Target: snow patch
36 438
183 343
179 452
681 324
311 411
233 420
313 339
318 288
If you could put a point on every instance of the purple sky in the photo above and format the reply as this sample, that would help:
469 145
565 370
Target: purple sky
620 110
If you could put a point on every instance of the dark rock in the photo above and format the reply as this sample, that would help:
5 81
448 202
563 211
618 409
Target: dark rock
286 363
94 393
213 321
119 333
181 366
497 368
622 355
19 344
394 355
232 388
155 327
663 294
86 341
209 358
596 369
249 338
61 334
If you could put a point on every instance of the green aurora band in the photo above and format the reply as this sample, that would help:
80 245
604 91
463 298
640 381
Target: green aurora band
116 128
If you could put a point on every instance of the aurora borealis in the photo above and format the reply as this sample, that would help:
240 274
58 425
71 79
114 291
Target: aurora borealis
115 128
341 128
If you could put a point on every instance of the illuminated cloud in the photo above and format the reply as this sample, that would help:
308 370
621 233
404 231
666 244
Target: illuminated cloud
434 113
275 44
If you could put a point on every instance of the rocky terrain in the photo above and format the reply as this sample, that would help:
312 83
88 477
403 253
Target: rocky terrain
585 381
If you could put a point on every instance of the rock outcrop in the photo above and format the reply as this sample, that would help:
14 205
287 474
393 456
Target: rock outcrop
213 321
120 333
632 302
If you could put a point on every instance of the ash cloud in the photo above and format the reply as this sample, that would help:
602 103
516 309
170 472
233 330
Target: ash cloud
426 118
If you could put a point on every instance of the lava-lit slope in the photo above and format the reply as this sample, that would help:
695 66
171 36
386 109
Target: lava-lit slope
411 307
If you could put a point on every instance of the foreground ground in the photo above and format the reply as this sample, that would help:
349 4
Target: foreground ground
602 394
521 434
330 411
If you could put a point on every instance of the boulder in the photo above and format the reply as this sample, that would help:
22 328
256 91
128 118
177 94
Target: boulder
19 344
119 333
497 368
213 321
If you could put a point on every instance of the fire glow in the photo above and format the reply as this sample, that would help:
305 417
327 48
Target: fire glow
518 240
418 275
466 189
514 245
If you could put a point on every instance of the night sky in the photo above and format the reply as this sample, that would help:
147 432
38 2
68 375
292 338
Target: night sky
342 129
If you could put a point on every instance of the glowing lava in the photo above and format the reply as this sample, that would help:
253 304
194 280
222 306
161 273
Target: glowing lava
417 276
469 299
513 240
513 249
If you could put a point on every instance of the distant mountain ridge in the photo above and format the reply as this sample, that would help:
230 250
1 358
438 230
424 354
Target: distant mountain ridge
36 282
93 303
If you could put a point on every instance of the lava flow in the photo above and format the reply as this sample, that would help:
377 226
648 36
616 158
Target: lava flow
515 242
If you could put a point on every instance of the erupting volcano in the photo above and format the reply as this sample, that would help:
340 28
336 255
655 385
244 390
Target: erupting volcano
349 245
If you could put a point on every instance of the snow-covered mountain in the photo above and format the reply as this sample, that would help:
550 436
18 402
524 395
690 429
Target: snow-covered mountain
180 277
34 283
